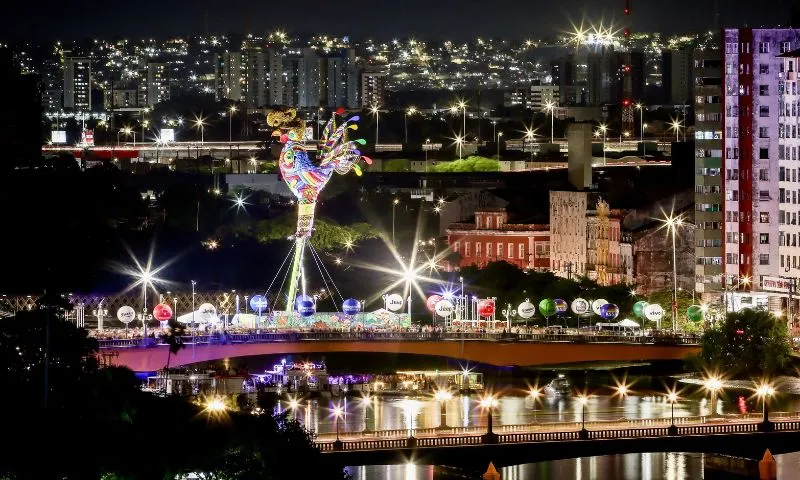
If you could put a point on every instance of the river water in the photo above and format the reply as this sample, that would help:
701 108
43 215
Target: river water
515 407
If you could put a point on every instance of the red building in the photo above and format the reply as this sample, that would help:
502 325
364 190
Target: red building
492 239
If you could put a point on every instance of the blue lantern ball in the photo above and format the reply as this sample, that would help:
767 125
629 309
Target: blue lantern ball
259 303
561 306
351 306
609 311
302 298
306 308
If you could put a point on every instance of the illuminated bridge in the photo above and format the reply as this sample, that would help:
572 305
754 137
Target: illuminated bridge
146 355
746 436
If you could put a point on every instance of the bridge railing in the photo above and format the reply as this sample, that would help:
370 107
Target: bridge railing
364 444
276 337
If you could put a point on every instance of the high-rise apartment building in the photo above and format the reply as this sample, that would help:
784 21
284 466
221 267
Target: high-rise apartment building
230 71
157 83
541 95
373 86
747 141
677 80
707 73
341 80
78 83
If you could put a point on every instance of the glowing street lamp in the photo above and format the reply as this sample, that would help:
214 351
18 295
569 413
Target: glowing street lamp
489 403
394 204
145 124
337 412
459 142
672 222
200 122
550 107
366 402
409 111
499 134
676 125
375 109
672 398
640 107
463 106
765 391
713 384
583 400
443 396
231 111
604 129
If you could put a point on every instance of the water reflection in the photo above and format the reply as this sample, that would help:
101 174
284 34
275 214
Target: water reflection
405 413
645 466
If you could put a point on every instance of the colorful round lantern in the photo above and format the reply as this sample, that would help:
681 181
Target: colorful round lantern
654 312
394 302
694 313
162 312
306 308
444 308
431 302
351 306
126 314
547 308
302 298
580 307
486 308
638 308
561 306
526 309
609 311
259 303
207 313
598 304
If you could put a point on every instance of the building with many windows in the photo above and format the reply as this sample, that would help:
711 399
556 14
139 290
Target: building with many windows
707 74
78 83
492 239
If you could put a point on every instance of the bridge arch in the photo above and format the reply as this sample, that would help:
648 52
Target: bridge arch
488 352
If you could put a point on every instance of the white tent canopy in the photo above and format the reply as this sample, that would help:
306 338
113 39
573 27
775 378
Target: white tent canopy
627 323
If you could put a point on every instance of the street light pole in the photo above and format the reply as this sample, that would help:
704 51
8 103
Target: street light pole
499 134
194 342
394 204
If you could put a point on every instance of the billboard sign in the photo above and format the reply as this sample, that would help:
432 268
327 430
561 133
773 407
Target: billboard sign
59 136
87 138
167 135
778 284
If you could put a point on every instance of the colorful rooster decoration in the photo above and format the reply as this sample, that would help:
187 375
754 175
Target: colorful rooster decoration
306 178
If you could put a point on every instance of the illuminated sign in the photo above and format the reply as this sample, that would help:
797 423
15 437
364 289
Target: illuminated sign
778 284
167 135
59 136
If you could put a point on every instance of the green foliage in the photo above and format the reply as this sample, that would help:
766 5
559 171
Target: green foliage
397 165
134 427
173 338
747 344
470 164
685 300
510 284
328 235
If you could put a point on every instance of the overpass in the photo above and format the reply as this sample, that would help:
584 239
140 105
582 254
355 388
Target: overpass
147 355
742 437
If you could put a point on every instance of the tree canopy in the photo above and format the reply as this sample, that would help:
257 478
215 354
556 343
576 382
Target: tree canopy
99 424
472 163
746 344
328 235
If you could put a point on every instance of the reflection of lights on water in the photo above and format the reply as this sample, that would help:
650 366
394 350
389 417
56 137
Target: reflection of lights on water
465 410
410 409
411 471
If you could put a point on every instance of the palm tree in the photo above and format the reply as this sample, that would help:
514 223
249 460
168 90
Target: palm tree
173 338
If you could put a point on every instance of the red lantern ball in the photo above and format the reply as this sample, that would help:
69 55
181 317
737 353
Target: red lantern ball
486 308
432 301
162 312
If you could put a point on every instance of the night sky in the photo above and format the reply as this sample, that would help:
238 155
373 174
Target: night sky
433 19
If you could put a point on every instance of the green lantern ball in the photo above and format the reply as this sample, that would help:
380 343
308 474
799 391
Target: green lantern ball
547 307
694 313
638 308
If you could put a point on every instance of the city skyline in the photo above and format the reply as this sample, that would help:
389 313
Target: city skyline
445 19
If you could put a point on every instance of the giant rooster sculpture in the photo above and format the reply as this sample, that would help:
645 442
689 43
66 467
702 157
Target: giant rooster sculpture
307 178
